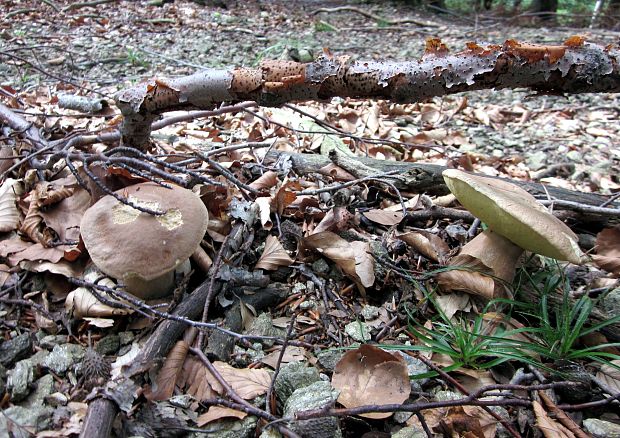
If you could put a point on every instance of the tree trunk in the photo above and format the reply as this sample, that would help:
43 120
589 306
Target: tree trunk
545 9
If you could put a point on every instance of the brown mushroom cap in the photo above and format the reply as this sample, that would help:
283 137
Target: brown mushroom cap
127 244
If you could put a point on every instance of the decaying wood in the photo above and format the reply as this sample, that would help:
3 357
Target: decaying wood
221 345
419 177
574 67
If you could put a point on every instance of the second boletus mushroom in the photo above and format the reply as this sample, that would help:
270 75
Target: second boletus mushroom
140 249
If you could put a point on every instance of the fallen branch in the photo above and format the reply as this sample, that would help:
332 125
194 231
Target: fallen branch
575 67
426 178
375 17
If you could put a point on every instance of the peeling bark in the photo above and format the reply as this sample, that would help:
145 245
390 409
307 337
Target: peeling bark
574 67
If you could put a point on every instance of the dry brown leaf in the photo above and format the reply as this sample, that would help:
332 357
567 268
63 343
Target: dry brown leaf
371 376
265 181
515 214
82 303
9 213
291 354
428 244
452 303
219 412
246 382
197 380
285 196
610 375
352 257
264 211
561 417
608 250
548 426
65 216
384 217
44 194
274 255
5 273
468 421
336 219
490 261
169 372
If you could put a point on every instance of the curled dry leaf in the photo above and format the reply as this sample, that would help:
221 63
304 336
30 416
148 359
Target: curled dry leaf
274 255
548 426
608 250
285 196
384 217
82 303
9 214
265 181
370 376
169 372
428 244
452 303
336 219
610 375
515 214
197 381
264 211
352 257
486 265
219 412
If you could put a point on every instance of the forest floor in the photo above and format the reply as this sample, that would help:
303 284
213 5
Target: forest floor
456 364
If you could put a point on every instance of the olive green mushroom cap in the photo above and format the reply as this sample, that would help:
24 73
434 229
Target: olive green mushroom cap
513 213
129 244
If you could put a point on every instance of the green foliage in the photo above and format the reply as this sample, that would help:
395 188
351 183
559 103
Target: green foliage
135 58
323 26
552 333
472 343
557 332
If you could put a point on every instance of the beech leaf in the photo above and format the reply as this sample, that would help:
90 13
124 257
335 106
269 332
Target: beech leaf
246 382
367 376
352 257
274 255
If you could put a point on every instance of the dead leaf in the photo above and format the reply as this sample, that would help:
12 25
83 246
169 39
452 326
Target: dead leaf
291 354
9 213
607 255
169 372
82 303
468 421
548 426
488 264
336 219
246 382
428 244
367 376
384 217
452 303
274 255
217 413
264 211
197 380
610 375
352 257
265 181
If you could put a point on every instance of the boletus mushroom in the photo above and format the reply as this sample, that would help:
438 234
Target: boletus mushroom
513 213
140 249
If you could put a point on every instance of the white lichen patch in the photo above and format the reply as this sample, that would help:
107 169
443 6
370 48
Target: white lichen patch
124 214
172 219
